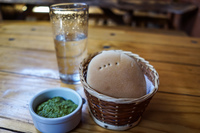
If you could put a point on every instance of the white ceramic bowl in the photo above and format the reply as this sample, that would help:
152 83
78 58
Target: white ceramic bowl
61 124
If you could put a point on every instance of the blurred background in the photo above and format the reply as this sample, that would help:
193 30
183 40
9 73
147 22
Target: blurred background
174 17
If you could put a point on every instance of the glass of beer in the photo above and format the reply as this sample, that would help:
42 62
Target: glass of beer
70 32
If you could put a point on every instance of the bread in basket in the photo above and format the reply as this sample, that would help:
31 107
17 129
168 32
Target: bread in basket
119 113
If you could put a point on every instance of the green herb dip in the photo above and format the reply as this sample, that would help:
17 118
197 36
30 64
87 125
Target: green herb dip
56 107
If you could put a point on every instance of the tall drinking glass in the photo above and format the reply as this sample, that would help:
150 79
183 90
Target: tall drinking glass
70 30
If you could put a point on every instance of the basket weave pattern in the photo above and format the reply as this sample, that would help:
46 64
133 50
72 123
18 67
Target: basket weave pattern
113 113
118 111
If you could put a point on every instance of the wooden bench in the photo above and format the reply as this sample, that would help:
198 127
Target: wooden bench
175 9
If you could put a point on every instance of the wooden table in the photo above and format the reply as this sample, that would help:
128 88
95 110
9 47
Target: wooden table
28 66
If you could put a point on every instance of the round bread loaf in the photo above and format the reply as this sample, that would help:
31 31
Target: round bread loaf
115 74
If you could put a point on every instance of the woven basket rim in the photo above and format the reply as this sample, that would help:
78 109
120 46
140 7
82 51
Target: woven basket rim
103 97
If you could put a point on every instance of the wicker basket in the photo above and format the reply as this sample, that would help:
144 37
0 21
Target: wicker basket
118 113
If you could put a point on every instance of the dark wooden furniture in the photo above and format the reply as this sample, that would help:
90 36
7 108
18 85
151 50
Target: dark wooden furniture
175 11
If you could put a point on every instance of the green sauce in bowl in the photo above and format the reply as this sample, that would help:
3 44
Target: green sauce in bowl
56 107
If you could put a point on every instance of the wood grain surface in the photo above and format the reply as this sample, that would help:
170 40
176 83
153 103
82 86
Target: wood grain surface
28 66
